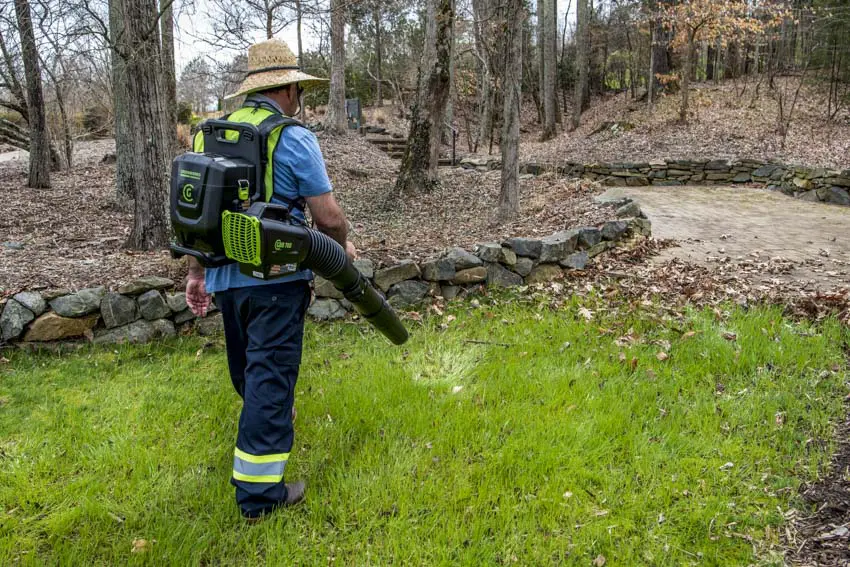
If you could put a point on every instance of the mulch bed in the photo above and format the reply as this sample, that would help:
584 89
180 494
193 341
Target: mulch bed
823 537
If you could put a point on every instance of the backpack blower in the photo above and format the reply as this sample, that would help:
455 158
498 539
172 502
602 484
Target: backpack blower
219 217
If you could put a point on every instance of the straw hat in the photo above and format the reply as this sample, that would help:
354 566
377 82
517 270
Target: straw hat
272 64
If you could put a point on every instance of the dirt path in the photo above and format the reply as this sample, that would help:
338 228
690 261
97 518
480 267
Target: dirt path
766 234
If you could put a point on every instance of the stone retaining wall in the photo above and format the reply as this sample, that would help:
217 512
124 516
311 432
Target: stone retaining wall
150 307
810 184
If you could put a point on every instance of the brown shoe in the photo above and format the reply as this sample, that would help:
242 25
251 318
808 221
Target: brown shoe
294 495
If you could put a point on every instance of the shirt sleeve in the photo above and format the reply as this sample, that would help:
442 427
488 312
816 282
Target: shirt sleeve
299 152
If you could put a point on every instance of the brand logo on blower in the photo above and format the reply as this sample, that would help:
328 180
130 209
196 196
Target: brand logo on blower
188 192
281 245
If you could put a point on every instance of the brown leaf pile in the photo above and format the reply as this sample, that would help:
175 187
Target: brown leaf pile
73 234
723 124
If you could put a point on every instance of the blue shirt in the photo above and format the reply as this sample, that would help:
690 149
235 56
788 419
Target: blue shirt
299 171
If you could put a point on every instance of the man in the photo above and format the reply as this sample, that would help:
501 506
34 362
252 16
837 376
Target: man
264 320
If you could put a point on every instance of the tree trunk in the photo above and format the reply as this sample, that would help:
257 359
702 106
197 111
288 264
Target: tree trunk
553 39
686 76
650 79
376 18
299 15
417 167
125 190
582 38
512 84
481 20
149 143
336 121
550 62
168 71
39 148
709 63
541 62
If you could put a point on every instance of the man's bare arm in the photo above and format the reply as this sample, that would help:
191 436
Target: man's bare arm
196 270
329 217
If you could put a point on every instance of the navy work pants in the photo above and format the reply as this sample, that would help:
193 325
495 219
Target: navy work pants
263 330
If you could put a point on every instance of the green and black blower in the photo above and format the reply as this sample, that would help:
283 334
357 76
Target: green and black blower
220 216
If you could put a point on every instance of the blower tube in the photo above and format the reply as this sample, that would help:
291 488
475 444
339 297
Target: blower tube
328 259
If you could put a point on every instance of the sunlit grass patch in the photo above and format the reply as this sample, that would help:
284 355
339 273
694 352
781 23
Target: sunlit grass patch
503 434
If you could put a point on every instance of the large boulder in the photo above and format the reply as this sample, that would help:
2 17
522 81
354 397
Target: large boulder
576 261
147 283
407 293
152 305
835 195
499 276
595 251
118 310
210 325
631 209
13 320
588 237
558 246
164 328
544 273
31 300
54 327
438 270
614 230
489 251
523 266
388 277
324 288
184 317
366 267
136 332
462 259
494 252
528 247
80 304
326 310
470 276
449 292
176 301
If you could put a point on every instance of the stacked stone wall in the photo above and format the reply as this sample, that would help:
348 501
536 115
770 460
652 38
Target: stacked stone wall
814 184
151 307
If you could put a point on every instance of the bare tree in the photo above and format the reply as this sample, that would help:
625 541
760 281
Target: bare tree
582 60
168 70
514 17
550 63
125 188
39 146
483 20
235 24
149 145
418 166
336 121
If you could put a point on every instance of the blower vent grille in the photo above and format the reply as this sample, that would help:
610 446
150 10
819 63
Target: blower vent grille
241 235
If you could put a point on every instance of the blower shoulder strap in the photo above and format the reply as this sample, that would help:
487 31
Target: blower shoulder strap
266 127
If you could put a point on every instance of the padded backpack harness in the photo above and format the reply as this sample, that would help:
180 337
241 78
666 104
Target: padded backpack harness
266 127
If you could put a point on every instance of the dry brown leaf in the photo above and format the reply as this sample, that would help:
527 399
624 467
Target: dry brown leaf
142 545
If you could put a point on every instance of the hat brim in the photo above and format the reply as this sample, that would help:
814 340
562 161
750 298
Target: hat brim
275 79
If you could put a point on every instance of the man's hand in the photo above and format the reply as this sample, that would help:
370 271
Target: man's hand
350 250
197 297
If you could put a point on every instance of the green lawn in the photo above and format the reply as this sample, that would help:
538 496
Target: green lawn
555 447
